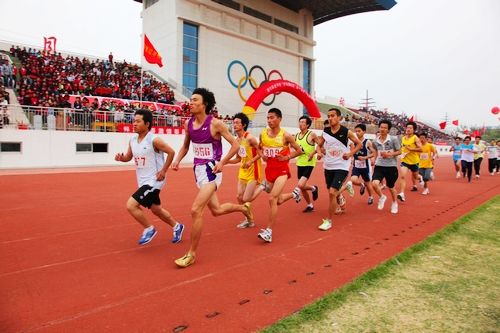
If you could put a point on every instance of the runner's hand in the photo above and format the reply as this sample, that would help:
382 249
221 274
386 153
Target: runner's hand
119 157
218 167
175 166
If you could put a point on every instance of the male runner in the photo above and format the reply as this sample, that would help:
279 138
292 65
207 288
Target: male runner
337 160
411 147
275 143
206 133
250 172
147 150
387 150
361 173
457 154
307 161
427 157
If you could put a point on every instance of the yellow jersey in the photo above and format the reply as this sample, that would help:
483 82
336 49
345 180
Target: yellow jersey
272 147
247 153
426 156
409 157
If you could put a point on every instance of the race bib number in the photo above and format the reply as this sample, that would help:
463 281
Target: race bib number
360 164
384 151
424 156
334 153
271 151
203 151
242 152
140 162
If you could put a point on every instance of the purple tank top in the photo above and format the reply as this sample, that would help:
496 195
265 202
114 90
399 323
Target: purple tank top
205 147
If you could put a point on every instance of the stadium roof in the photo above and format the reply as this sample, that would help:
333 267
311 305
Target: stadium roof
326 10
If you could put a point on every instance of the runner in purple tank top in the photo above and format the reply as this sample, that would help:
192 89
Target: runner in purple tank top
205 133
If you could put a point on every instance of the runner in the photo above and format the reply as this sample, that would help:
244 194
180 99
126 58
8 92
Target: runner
427 157
492 157
250 172
479 155
386 164
411 147
275 143
337 160
361 174
206 133
306 162
147 150
457 154
467 157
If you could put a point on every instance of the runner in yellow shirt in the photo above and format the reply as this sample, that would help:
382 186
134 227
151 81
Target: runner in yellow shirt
250 173
410 150
427 157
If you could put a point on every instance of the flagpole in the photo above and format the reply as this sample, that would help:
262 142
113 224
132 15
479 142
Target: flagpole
142 56
142 91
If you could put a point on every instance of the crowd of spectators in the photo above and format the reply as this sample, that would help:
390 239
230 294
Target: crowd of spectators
372 117
48 78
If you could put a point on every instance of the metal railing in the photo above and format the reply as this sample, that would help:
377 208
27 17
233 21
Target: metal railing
66 119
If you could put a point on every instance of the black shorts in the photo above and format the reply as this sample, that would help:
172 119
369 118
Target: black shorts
304 171
363 172
412 167
390 174
147 196
335 178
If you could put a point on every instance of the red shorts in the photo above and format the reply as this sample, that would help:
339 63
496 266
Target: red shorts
273 172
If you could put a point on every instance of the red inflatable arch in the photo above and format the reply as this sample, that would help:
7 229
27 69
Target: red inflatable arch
277 86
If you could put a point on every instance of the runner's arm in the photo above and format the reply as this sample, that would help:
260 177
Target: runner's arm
356 142
184 149
121 157
161 145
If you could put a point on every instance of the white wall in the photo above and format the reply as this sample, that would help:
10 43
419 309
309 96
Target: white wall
53 149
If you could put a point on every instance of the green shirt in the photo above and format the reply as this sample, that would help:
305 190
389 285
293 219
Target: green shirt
307 148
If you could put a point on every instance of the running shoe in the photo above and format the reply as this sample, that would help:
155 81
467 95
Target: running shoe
177 233
394 208
296 194
401 197
315 192
341 201
326 225
308 209
381 202
349 188
248 212
426 191
370 200
362 189
185 261
245 224
414 188
266 235
147 236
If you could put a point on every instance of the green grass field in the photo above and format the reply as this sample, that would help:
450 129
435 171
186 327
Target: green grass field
447 283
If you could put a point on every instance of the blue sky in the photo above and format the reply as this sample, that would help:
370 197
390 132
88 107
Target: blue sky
428 58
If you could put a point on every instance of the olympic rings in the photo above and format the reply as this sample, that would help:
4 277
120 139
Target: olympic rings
247 77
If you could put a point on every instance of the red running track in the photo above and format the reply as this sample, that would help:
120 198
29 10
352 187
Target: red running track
69 260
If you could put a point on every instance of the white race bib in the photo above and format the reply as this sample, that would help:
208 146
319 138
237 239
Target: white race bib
271 151
242 152
424 156
360 164
203 151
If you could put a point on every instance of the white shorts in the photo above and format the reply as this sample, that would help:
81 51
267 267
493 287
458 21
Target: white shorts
203 174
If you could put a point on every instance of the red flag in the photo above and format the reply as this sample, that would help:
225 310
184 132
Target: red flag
476 133
466 131
412 118
442 125
152 56
455 122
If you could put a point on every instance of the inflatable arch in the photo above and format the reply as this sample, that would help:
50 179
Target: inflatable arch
275 87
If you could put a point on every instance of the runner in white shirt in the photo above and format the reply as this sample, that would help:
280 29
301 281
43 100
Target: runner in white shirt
147 151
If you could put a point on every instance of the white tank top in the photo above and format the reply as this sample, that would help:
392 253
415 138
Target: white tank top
147 161
336 145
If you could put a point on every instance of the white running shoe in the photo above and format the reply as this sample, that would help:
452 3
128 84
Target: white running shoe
381 202
266 235
245 224
296 194
349 188
401 197
394 208
327 224
426 191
